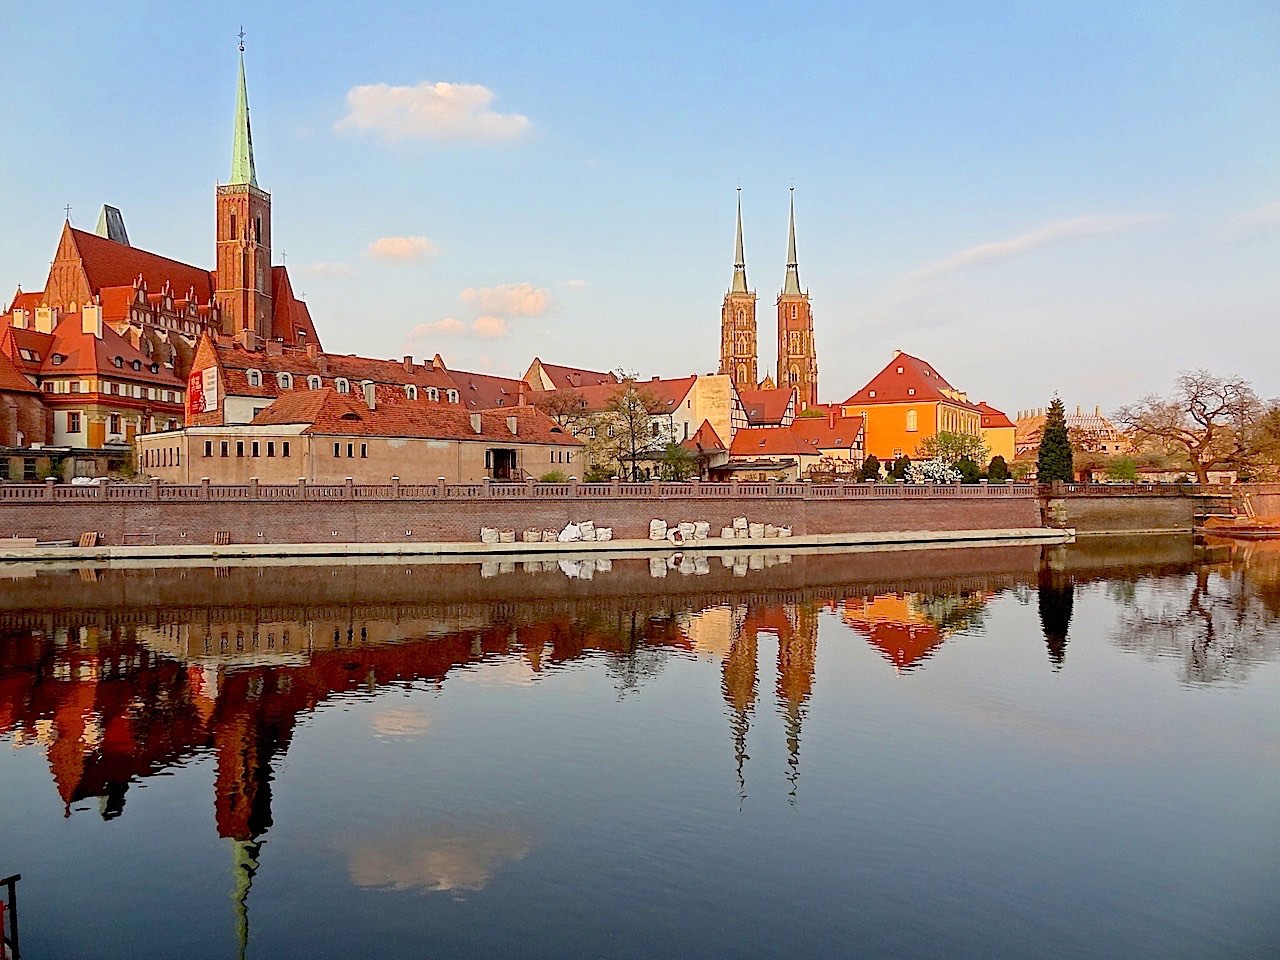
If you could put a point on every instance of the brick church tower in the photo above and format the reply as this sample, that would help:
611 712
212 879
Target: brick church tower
797 353
738 348
244 280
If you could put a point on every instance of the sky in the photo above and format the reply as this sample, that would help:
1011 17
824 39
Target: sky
1077 198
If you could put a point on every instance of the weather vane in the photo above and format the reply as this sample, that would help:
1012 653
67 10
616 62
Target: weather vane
241 35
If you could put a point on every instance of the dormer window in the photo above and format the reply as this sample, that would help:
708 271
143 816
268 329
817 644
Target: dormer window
411 391
119 362
57 359
285 381
872 394
342 385
899 369
137 364
911 391
433 393
255 378
313 382
453 396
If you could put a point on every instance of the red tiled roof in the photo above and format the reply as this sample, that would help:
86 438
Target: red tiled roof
481 391
565 378
327 412
291 319
705 440
11 378
669 393
23 300
116 302
236 361
84 353
665 395
829 432
15 340
906 379
766 406
992 418
111 264
770 442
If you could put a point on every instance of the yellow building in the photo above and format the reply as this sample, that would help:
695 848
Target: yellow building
998 432
906 403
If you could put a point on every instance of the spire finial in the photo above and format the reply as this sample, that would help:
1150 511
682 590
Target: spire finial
241 36
739 258
242 169
792 285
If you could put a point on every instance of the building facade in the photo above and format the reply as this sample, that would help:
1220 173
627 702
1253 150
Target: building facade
738 347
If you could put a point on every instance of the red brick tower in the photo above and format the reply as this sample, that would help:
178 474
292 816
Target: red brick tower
797 353
738 349
244 281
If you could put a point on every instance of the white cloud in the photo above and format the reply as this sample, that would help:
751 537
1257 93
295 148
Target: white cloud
1263 216
490 327
509 299
402 248
433 111
1045 236
576 284
448 326
328 269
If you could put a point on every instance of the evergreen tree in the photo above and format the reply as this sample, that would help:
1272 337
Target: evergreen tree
970 472
997 470
900 467
1054 461
870 468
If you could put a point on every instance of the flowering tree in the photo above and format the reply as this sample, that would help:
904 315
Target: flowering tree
932 471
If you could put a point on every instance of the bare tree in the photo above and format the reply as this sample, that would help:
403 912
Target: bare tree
627 430
1209 419
568 408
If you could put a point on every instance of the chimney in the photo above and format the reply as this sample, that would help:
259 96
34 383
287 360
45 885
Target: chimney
313 350
91 320
370 400
408 364
653 379
522 388
21 319
275 348
896 354
512 424
1077 409
247 339
476 424
46 319
1097 411
437 362
322 364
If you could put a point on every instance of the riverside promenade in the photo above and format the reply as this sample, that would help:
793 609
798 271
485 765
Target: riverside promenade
156 521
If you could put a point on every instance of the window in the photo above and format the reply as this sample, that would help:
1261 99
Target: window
453 396
912 425
208 448
285 380
871 394
364 451
656 428
793 311
257 229
233 228
137 364
313 383
433 393
410 391
119 363
271 448
224 447
897 452
342 385
257 410
49 386
255 378
73 422
911 391
337 449
351 450
114 423
57 359
254 448
239 448
284 448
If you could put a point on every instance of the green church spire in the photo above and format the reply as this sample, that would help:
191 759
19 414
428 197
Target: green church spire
242 145
739 258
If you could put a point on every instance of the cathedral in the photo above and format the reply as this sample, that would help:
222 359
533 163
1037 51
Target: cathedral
797 367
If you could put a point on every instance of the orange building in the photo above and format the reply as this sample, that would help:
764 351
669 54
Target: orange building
998 432
906 403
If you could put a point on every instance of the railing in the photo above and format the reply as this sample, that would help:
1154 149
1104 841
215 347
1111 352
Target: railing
9 945
40 493
1144 489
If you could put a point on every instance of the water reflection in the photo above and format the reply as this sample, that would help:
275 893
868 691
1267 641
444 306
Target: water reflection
122 675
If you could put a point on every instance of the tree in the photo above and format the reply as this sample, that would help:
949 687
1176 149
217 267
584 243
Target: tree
951 447
1210 419
568 408
997 470
1054 462
812 413
870 468
679 463
901 466
1123 468
620 436
969 471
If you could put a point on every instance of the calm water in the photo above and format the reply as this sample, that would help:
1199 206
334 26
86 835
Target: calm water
1014 752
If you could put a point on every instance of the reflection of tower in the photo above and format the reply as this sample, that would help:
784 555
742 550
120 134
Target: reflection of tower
739 675
245 866
1056 598
797 657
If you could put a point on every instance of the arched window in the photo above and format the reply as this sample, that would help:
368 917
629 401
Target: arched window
793 311
742 315
793 375
313 382
742 373
411 391
342 385
912 422
285 380
453 396
433 393
255 378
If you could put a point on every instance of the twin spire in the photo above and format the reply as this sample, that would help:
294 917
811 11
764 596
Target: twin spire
790 286
242 170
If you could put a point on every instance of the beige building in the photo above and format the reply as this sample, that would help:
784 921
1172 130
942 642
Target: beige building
323 436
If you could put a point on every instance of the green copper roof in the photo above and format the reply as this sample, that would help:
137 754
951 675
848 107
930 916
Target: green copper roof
739 258
792 285
242 145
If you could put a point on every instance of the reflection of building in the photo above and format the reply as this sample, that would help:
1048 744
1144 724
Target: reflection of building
907 628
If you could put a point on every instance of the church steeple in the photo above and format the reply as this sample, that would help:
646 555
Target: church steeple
242 170
791 287
739 257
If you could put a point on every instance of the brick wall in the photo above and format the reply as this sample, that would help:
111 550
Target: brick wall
408 520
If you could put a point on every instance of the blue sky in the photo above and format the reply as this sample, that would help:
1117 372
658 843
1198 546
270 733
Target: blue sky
1076 197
